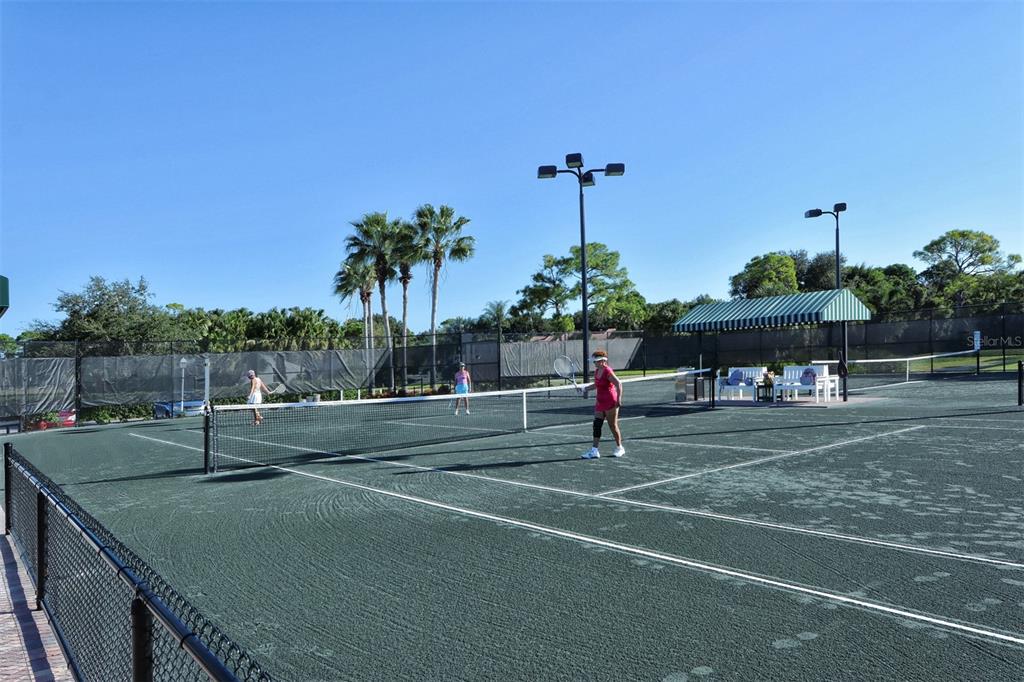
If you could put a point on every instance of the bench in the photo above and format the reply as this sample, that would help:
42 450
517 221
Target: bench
796 378
11 423
740 379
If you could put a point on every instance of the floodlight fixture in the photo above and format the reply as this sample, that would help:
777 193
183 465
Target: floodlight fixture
615 169
588 179
547 172
839 208
574 160
813 213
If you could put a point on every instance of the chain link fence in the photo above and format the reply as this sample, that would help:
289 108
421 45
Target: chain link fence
115 617
94 376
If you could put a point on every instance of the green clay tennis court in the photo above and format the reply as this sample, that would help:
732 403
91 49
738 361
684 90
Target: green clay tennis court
883 538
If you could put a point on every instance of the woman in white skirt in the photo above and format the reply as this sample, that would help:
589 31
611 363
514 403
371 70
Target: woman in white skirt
256 390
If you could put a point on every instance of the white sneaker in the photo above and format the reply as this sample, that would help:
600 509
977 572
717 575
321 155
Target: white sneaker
619 451
592 453
467 410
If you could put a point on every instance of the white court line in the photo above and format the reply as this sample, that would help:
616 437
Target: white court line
982 419
872 388
676 510
762 460
657 441
675 560
970 428
580 424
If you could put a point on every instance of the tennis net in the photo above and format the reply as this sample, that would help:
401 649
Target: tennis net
289 432
878 372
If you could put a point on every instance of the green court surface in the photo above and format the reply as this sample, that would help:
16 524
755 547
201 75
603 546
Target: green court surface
881 539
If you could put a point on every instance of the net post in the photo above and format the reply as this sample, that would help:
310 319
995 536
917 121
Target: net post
206 442
8 448
1020 382
40 576
142 642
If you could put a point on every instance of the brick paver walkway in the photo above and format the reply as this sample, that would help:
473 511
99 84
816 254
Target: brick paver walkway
28 647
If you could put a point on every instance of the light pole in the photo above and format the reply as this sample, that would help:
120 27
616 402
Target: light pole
816 213
574 166
183 363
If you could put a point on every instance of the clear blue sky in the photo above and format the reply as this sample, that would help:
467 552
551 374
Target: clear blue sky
221 149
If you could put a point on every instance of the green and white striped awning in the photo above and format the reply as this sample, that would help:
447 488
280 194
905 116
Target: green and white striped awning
775 311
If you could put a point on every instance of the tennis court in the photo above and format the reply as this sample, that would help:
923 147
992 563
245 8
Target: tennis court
879 538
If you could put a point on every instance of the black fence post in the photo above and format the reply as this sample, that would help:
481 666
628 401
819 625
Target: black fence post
977 363
1020 382
643 351
499 358
714 385
142 642
1002 339
41 503
78 383
7 487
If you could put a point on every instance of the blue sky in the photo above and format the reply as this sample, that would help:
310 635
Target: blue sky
221 149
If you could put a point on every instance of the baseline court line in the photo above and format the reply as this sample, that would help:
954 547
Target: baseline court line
762 460
675 510
1012 638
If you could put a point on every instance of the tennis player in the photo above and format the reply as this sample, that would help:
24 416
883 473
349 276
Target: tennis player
609 399
256 390
463 385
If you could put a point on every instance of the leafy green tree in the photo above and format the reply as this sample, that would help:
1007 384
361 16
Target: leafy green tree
8 346
458 325
608 284
105 311
495 316
548 290
354 279
959 255
661 316
441 230
410 251
374 241
773 274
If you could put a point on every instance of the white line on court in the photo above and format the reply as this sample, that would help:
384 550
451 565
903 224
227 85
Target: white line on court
970 428
752 462
166 442
668 508
579 424
656 441
1013 638
873 388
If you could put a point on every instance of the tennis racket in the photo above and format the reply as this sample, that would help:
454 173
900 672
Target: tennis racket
566 368
279 389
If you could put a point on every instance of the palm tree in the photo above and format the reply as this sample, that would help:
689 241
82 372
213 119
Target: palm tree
495 313
374 241
410 250
355 278
441 229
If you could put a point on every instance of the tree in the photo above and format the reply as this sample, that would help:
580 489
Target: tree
495 315
105 311
354 279
959 255
548 290
772 274
441 230
410 250
8 346
662 316
374 242
606 281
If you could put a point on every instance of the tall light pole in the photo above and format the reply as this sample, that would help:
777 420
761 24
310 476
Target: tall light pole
574 166
816 213
183 363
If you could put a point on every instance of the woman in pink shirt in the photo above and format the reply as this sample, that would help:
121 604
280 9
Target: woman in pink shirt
463 385
609 399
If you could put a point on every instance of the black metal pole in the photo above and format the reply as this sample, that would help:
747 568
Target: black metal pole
1020 382
41 535
142 642
583 288
7 487
839 285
